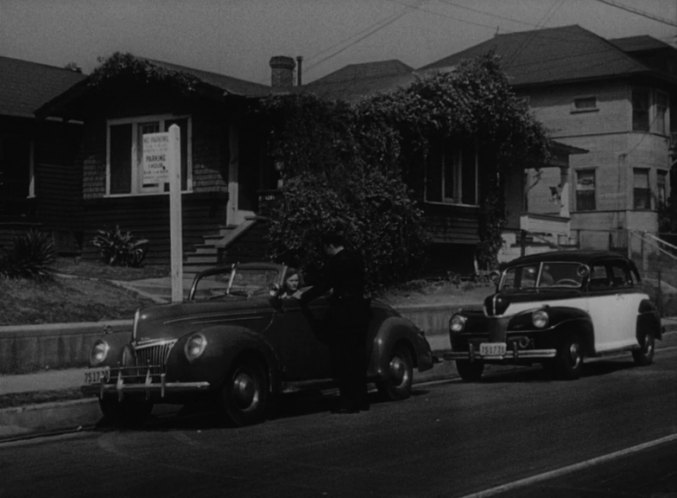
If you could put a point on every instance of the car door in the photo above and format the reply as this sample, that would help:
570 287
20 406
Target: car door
613 304
294 335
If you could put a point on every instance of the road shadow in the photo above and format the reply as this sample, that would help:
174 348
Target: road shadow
536 373
207 416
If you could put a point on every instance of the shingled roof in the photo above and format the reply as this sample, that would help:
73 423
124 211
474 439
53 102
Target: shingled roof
355 81
568 53
25 86
216 86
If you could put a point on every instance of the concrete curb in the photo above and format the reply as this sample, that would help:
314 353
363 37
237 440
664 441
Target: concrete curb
23 421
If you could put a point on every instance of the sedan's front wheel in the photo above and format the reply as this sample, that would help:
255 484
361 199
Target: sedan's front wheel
568 363
244 397
644 355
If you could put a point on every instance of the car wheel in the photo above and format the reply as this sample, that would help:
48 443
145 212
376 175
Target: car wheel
568 363
470 371
127 412
399 375
644 355
244 397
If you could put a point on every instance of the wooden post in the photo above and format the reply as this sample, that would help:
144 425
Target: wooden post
175 222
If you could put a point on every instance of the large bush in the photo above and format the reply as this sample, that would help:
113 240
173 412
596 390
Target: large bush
29 256
346 165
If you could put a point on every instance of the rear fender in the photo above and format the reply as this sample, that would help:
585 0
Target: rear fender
648 320
393 331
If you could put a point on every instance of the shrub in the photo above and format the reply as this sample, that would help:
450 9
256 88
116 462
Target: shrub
121 248
29 256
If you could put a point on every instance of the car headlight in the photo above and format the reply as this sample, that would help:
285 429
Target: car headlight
195 346
99 352
457 323
540 319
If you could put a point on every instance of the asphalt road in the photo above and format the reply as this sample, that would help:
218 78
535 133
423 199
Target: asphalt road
517 433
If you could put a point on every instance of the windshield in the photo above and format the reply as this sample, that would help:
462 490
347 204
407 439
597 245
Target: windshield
237 282
543 275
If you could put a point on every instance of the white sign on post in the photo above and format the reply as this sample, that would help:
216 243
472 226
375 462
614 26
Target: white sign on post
162 164
155 165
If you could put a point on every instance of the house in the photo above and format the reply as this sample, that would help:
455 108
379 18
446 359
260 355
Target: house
608 99
38 185
448 187
223 170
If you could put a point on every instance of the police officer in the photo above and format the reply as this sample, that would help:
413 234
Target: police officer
346 321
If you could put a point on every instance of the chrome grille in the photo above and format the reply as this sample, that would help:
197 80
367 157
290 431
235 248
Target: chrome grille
154 354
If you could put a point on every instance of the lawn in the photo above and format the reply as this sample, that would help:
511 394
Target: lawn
85 292
77 292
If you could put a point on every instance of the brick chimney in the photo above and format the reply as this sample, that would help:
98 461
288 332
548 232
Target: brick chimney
282 71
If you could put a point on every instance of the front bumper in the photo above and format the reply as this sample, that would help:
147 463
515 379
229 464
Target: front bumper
510 354
128 380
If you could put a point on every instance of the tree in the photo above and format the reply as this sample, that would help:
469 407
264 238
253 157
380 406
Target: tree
345 165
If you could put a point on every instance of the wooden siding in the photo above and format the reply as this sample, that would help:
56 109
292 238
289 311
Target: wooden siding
449 224
148 218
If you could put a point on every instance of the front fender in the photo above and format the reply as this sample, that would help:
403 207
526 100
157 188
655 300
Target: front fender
225 344
393 331
562 320
116 342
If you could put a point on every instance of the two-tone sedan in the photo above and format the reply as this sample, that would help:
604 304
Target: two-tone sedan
236 342
557 308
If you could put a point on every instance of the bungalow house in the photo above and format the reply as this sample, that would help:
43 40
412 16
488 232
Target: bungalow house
39 187
223 171
610 100
451 212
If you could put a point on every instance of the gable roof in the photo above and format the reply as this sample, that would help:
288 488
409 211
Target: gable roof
355 81
229 84
71 103
562 54
25 85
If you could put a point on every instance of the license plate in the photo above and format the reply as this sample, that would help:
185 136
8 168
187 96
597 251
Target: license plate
492 348
97 375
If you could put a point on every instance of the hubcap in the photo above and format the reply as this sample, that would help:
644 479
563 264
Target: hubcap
575 354
245 392
398 371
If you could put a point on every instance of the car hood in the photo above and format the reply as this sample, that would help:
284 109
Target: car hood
496 304
171 321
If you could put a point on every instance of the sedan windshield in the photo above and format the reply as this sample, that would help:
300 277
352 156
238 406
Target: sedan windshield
543 275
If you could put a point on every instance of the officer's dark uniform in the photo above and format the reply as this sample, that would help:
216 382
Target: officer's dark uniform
346 326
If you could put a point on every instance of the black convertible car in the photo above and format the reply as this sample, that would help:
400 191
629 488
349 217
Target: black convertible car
236 342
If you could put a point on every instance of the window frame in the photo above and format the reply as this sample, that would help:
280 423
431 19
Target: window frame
578 190
643 192
576 108
136 188
446 153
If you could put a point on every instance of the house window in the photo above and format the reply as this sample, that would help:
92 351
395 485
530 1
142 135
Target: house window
125 154
641 192
585 104
585 190
452 175
640 109
662 188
